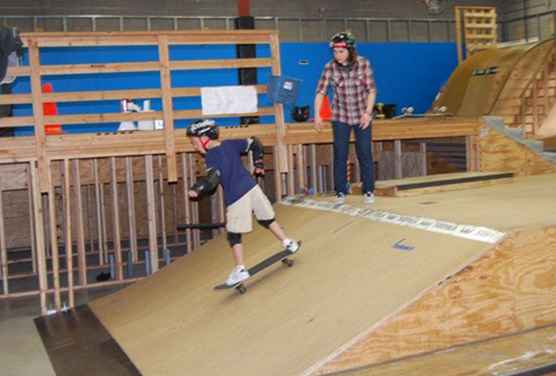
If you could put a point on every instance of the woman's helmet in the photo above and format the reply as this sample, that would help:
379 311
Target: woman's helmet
205 127
345 39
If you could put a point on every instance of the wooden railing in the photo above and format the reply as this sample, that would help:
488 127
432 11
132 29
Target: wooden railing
80 204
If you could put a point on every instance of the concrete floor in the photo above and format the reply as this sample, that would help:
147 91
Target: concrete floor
21 349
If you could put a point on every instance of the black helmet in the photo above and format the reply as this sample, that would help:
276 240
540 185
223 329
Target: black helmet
344 39
205 127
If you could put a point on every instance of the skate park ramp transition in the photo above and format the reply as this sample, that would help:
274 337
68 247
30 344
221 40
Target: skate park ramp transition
358 267
480 85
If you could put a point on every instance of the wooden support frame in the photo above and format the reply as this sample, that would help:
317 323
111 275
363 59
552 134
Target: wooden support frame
68 232
282 165
39 231
472 153
99 215
478 26
290 145
78 215
130 194
187 205
151 213
162 204
166 85
51 192
3 249
117 242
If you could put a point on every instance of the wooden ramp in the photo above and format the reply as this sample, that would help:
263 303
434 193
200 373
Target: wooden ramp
440 183
360 274
531 352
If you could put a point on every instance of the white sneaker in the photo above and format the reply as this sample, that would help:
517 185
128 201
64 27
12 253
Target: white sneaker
239 274
290 245
340 199
369 198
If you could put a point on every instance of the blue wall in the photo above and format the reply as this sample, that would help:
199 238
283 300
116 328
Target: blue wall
406 74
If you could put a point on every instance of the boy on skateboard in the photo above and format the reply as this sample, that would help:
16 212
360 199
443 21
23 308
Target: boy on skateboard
242 195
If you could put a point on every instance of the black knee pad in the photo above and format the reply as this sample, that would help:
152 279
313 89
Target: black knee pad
265 222
234 238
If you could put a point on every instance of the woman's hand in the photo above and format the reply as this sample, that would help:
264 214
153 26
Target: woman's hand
365 120
318 123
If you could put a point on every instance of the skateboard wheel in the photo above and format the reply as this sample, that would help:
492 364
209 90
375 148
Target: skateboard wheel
288 262
242 289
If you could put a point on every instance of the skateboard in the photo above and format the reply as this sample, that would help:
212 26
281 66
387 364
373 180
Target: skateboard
282 256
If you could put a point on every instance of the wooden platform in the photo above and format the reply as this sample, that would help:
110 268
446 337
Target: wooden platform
440 183
549 144
353 298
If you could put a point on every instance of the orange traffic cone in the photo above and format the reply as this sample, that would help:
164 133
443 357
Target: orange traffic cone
325 110
50 108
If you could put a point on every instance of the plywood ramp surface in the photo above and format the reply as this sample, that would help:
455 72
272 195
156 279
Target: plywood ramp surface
532 350
347 279
469 94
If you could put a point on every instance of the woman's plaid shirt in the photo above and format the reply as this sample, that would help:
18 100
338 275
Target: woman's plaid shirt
351 85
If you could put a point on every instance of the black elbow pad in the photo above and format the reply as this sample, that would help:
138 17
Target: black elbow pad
256 147
207 184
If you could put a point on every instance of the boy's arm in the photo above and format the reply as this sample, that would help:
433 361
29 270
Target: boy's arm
207 184
255 146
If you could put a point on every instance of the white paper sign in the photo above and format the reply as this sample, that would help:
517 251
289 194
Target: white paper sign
229 100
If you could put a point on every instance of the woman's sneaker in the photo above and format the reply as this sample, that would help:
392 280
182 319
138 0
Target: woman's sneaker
239 274
369 198
340 199
290 245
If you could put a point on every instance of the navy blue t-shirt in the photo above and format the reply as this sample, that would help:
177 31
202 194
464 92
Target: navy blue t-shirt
234 177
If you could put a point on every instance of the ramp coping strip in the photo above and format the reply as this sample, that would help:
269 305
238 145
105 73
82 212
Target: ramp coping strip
471 232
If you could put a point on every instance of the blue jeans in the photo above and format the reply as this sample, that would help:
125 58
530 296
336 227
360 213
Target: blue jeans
342 133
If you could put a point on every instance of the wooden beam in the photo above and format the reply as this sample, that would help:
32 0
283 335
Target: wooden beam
277 174
22 149
105 95
54 241
103 68
99 214
166 86
161 201
3 249
68 232
39 231
78 213
151 213
300 154
472 153
131 209
31 217
38 116
187 206
313 162
116 240
194 204
398 173
67 39
282 165
291 171
114 117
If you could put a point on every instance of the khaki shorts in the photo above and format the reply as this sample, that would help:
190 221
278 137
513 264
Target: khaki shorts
239 217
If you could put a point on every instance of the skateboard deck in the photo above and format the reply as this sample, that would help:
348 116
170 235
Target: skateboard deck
282 256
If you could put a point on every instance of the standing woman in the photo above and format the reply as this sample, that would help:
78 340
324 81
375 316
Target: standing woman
351 77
